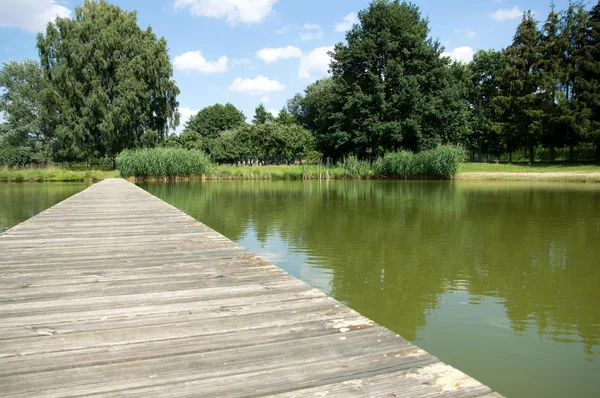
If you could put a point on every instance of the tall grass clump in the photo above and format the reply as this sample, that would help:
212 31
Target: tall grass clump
440 163
351 167
163 163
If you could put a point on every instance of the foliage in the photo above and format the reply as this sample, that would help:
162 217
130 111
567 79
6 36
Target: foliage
392 86
439 163
163 163
212 120
109 82
14 157
261 115
354 168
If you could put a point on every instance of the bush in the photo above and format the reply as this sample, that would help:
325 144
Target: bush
163 163
440 163
15 157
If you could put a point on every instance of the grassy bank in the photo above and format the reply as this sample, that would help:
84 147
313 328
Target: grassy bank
54 174
525 168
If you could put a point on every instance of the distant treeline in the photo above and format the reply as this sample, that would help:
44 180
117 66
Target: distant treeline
104 85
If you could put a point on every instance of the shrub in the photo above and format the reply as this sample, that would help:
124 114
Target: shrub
15 157
441 163
163 163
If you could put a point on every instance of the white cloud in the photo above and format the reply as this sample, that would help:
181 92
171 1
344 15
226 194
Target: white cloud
257 86
274 112
264 99
312 26
270 55
30 15
240 61
194 61
461 54
184 115
315 64
508 13
233 11
347 22
468 32
311 35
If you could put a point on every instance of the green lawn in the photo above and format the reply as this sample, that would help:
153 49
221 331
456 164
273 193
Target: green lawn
55 174
525 168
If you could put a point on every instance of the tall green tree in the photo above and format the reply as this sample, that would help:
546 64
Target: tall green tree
518 105
261 115
485 69
398 89
212 120
574 117
588 83
109 81
552 47
26 124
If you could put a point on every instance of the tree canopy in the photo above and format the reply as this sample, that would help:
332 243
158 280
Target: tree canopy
210 121
109 82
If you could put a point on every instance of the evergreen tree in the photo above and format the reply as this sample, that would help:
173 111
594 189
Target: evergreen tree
285 117
109 81
261 115
573 118
518 105
588 83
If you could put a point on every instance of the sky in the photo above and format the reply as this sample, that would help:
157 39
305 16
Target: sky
252 51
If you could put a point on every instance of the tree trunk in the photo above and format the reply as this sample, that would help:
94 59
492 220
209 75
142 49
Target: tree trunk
571 153
552 154
531 155
510 157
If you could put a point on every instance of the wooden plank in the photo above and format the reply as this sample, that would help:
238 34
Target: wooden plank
113 292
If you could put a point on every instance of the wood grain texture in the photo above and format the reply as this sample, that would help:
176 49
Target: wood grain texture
113 292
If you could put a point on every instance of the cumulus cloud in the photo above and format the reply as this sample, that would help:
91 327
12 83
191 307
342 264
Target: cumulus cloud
270 55
194 61
257 86
264 99
274 112
315 64
347 22
508 13
461 54
30 15
233 11
184 115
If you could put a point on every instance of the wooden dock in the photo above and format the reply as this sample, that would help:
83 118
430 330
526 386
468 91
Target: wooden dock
113 292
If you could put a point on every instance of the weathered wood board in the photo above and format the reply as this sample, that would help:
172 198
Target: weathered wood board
113 292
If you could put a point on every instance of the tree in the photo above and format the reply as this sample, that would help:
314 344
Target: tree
27 124
261 115
285 117
108 81
518 103
212 120
397 89
573 119
484 71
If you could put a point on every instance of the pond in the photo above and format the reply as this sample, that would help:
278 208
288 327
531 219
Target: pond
499 279
20 201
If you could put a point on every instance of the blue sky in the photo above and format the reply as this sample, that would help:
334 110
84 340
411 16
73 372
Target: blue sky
251 51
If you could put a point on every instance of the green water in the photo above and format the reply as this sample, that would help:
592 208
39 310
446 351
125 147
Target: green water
501 280
20 201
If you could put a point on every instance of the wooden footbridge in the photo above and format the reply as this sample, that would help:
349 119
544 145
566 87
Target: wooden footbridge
113 292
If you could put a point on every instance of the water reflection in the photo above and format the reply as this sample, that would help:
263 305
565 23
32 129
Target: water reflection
499 279
20 201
